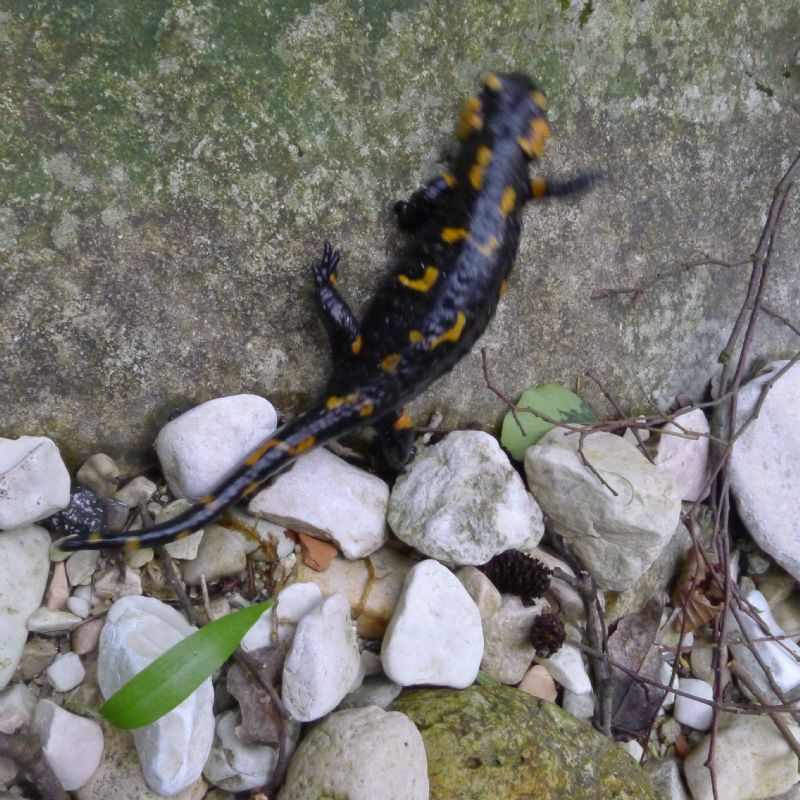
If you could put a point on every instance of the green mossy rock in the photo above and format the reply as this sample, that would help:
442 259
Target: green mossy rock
497 743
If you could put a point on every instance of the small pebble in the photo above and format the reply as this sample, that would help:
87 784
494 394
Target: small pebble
539 683
689 712
66 672
139 490
99 473
85 637
16 707
51 623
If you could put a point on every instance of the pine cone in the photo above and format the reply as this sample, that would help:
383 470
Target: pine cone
547 634
518 573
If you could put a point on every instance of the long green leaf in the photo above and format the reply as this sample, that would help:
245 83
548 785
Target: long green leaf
174 675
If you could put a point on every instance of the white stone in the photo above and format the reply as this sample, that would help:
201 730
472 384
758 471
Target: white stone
220 555
376 690
435 634
81 566
508 651
66 672
325 496
50 622
99 473
199 448
34 483
482 591
690 712
135 492
765 464
16 707
633 749
323 662
579 705
567 667
666 677
292 604
751 759
79 606
685 459
234 765
173 749
72 745
186 548
616 537
110 585
666 776
360 754
781 657
462 502
24 566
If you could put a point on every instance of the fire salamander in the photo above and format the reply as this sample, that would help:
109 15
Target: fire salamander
429 310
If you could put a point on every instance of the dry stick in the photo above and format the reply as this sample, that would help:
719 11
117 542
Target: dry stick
780 723
25 751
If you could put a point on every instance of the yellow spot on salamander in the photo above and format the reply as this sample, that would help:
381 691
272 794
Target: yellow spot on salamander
333 280
415 336
260 451
420 284
390 363
488 248
94 537
449 179
538 97
503 287
538 188
540 131
471 119
183 534
526 146
355 347
207 499
132 544
252 488
451 334
403 421
334 402
452 235
366 410
303 445
508 201
483 157
492 82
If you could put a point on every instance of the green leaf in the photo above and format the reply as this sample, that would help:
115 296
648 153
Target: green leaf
553 401
174 675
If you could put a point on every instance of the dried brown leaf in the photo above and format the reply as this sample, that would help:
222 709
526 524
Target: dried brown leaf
696 593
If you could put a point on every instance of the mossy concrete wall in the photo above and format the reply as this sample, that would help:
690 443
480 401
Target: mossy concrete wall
168 171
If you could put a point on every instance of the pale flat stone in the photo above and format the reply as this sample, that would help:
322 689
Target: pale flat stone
72 745
34 483
58 589
690 712
137 491
751 758
371 585
199 448
538 682
17 703
24 564
81 566
219 555
435 634
765 464
66 672
579 705
291 605
173 749
567 667
323 663
360 754
616 537
482 591
184 549
666 776
684 459
110 585
99 473
782 658
325 496
462 502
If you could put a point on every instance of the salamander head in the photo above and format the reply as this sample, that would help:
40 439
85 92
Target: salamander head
511 105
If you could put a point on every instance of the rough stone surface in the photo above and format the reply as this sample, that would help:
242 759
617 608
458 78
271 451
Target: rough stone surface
173 749
323 663
219 555
666 776
751 757
686 460
435 633
462 502
24 564
214 195
291 605
66 672
72 745
360 754
325 496
765 464
34 483
17 703
199 448
616 537
690 712
491 742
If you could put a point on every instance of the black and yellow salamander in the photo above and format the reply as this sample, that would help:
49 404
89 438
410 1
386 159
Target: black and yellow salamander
428 311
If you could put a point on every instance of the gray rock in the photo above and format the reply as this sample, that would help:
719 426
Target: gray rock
616 536
173 749
24 565
219 555
17 703
685 459
361 754
666 776
765 464
34 483
462 502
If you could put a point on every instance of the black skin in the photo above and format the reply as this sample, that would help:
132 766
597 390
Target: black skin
427 313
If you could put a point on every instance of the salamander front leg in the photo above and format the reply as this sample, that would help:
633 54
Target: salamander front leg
395 434
343 328
419 207
546 187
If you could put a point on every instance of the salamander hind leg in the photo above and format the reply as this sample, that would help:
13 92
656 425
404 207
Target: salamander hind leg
540 187
411 214
395 436
343 328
